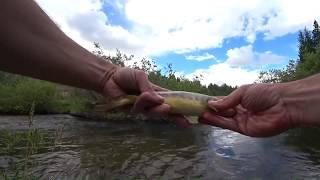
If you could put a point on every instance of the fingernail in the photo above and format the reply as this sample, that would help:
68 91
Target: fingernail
213 102
160 96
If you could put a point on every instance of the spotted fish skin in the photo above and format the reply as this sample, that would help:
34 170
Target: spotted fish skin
180 102
187 95
191 105
186 103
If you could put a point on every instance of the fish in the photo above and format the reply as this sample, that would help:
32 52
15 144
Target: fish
189 104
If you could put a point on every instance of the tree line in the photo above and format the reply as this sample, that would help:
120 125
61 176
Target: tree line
307 63
20 94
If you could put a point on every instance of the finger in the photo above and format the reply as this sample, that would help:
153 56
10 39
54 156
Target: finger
218 121
229 101
142 81
158 88
226 113
180 120
162 109
112 91
147 100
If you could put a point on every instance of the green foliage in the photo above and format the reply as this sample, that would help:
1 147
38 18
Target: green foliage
19 95
119 59
279 75
316 35
166 77
22 95
170 81
310 66
20 143
77 100
308 62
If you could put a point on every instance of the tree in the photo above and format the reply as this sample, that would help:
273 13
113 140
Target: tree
119 59
307 64
308 41
316 35
301 41
306 44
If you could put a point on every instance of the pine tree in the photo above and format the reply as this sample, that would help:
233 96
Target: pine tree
306 44
301 45
316 35
309 48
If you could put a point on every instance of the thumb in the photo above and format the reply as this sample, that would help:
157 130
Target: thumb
144 85
229 101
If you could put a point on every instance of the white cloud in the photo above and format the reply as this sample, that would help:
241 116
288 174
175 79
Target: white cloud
178 26
93 26
204 57
85 22
164 26
291 16
234 70
184 26
245 56
60 11
225 74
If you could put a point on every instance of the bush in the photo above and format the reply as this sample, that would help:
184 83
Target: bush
18 97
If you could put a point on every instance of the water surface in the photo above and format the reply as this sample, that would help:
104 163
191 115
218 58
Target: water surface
83 149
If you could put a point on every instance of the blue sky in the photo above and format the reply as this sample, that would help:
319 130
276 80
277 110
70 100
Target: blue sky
285 46
225 41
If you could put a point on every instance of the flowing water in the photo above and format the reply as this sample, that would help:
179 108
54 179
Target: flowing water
75 148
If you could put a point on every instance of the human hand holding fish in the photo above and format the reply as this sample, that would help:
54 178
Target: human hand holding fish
179 103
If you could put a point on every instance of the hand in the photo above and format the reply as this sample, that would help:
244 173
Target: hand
130 81
260 111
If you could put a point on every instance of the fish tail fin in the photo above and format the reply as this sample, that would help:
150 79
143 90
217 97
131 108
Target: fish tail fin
114 104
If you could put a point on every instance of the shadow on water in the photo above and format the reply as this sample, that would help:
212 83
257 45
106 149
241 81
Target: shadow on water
305 140
74 149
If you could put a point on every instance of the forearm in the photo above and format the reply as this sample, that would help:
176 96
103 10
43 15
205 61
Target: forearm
302 99
32 45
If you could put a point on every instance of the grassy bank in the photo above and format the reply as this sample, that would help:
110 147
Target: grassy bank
21 95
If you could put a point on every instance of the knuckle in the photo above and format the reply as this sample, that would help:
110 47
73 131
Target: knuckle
245 86
140 74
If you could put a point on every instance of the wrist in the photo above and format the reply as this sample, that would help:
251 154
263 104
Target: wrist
302 101
104 72
289 95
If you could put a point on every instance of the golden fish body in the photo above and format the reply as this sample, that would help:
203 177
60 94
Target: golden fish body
185 103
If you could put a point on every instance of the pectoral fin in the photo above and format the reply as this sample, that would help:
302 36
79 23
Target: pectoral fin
192 119
113 104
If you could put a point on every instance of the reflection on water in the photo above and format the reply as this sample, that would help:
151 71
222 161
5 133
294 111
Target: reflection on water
106 150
